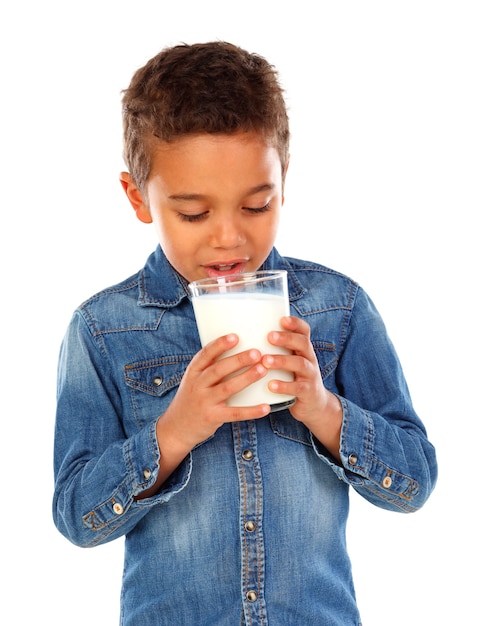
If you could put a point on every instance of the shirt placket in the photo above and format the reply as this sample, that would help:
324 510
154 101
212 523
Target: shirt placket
250 523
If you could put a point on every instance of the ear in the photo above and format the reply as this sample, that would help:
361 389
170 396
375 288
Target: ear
135 197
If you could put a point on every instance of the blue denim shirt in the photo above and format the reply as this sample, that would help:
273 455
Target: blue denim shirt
250 528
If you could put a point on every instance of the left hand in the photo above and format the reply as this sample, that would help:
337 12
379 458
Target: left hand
316 407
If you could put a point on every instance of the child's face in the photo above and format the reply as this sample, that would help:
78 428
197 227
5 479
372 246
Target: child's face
215 202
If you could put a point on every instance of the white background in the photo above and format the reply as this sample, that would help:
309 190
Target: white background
384 102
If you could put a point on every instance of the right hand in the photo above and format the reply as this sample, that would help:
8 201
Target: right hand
199 407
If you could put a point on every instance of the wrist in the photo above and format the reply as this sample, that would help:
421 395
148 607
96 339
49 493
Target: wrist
327 423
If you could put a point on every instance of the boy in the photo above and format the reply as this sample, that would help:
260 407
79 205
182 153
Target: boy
231 515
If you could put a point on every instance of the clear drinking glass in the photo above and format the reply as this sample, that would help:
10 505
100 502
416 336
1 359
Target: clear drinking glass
250 305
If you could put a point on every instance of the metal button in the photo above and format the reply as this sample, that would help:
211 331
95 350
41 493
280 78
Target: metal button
250 526
387 482
247 455
117 508
146 474
252 596
157 381
353 459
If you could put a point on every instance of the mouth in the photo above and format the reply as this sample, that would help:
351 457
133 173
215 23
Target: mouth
225 269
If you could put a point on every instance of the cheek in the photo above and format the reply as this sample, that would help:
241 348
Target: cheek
272 226
164 226
177 241
263 236
165 233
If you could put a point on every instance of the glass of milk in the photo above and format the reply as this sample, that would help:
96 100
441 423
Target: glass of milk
251 305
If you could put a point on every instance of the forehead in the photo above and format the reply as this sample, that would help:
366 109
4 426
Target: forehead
206 156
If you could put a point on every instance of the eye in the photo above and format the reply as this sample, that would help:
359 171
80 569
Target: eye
197 217
261 209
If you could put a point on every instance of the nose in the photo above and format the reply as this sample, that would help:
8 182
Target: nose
227 233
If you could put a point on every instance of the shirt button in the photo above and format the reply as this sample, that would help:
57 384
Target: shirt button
147 474
352 459
250 526
157 381
247 455
117 508
251 596
387 482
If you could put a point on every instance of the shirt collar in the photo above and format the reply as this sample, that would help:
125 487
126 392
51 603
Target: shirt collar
161 285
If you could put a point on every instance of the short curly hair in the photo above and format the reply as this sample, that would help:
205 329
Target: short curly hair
213 87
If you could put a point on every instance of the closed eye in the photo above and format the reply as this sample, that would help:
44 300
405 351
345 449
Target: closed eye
262 209
197 217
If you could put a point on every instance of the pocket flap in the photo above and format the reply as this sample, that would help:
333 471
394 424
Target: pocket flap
157 376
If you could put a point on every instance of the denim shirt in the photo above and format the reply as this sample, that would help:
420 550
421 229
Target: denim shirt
250 528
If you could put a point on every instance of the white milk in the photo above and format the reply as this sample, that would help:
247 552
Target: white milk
251 316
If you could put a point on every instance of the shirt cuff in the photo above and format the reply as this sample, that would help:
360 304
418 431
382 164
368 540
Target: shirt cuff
360 465
143 459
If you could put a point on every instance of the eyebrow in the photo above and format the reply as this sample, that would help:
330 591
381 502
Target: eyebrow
198 196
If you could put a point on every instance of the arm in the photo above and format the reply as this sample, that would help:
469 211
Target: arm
386 454
98 469
107 480
367 430
204 380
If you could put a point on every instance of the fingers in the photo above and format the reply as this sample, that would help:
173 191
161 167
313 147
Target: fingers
214 362
214 350
245 413
301 361
295 336
199 406
295 324
225 375
233 374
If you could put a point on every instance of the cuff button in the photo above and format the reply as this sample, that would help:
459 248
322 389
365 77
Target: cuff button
117 508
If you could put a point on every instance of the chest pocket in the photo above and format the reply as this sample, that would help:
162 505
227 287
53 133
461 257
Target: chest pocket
327 358
151 385
284 425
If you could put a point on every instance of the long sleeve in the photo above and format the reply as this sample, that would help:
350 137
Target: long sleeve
385 453
98 468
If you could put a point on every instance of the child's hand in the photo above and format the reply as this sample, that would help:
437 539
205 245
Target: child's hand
199 407
315 406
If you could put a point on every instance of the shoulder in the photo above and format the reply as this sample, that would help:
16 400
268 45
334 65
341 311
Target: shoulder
316 270
114 307
122 292
319 286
